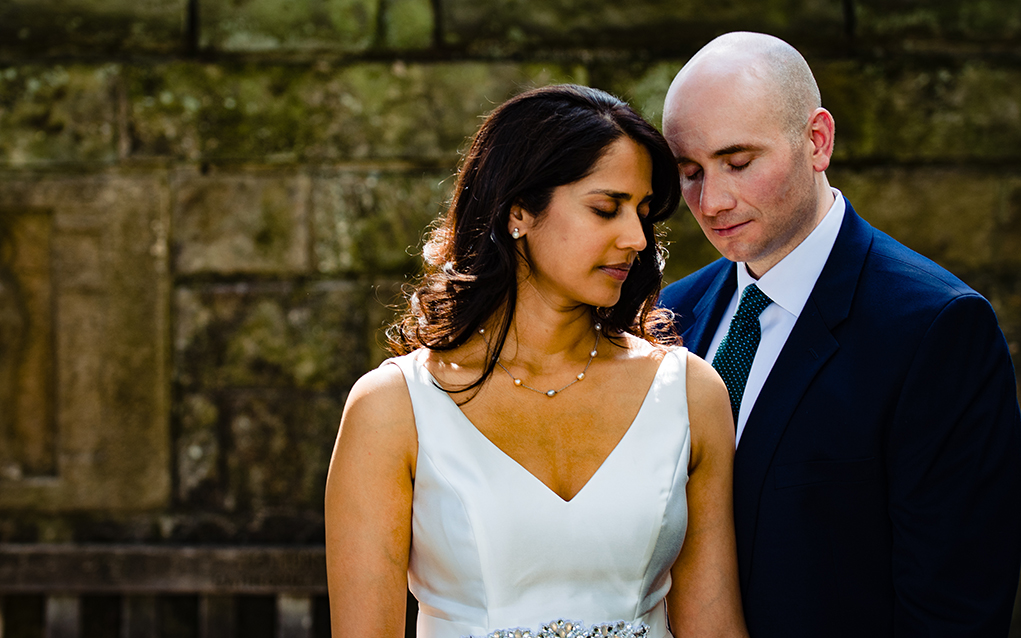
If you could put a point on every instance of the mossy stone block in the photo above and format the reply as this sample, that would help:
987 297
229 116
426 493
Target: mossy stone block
409 111
660 25
915 113
280 450
31 29
263 369
644 86
273 25
408 25
197 450
1006 239
374 222
308 337
281 114
954 217
241 223
100 264
58 114
212 112
905 22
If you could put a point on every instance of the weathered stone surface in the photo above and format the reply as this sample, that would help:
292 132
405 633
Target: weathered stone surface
958 218
642 85
386 299
945 112
193 111
51 28
280 453
662 25
234 223
1008 223
372 221
310 26
264 25
309 336
904 22
283 113
27 426
198 451
109 292
263 370
408 24
54 114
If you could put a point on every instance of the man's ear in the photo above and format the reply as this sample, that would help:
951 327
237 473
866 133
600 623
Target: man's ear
519 222
821 131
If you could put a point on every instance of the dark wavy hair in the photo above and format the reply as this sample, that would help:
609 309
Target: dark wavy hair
525 148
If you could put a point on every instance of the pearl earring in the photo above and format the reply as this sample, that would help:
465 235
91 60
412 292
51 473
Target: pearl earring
516 234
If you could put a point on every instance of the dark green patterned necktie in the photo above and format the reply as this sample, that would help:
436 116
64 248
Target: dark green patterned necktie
734 357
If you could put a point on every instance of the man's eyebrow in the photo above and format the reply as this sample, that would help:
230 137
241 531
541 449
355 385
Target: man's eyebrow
723 152
735 148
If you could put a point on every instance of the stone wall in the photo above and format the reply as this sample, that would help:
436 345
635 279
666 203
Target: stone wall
206 206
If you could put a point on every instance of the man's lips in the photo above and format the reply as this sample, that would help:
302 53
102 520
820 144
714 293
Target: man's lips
617 271
727 231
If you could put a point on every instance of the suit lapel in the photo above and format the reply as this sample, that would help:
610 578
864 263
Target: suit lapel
709 310
808 348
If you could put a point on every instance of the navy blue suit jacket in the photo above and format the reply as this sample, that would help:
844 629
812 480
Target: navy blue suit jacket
877 485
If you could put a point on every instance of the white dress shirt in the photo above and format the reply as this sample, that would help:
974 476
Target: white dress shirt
788 284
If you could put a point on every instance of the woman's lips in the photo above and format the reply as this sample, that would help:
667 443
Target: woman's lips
617 271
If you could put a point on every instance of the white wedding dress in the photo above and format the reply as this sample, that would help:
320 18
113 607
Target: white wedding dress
494 548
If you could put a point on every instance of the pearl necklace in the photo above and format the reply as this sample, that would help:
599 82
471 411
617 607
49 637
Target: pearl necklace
551 392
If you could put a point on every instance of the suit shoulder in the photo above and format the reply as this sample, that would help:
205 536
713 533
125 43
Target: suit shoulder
686 292
902 271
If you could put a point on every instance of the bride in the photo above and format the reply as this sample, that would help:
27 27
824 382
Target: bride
537 459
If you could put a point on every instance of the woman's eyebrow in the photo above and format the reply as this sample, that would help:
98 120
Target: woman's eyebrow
615 194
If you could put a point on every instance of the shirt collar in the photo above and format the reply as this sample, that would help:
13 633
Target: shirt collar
790 281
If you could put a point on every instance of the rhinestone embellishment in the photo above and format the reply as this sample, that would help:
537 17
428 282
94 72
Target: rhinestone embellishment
574 629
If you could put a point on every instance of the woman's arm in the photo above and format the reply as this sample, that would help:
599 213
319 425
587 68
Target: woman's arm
705 598
368 508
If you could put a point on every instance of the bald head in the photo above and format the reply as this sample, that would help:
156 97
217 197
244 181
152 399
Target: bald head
766 65
752 143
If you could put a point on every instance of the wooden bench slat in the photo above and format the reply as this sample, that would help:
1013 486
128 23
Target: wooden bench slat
150 569
139 617
63 617
216 616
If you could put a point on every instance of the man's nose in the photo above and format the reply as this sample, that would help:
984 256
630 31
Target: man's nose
716 194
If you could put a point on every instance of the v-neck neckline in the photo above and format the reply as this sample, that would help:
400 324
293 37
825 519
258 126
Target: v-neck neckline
501 452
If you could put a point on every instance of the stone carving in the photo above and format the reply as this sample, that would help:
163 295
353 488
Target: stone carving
13 333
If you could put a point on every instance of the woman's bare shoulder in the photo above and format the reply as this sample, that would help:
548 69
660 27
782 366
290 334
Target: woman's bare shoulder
379 407
709 413
703 380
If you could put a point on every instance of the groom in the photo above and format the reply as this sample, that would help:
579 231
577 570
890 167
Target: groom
877 478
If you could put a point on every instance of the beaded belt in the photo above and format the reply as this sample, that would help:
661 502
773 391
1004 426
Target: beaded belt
572 629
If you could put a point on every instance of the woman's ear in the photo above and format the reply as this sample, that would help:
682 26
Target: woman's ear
518 222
